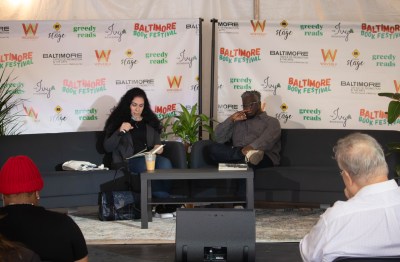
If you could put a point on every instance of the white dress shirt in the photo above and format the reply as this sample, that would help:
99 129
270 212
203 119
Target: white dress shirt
368 224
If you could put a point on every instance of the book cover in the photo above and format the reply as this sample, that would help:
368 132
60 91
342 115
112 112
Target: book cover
231 166
143 152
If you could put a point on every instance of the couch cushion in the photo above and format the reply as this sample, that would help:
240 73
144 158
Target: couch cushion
314 184
48 151
313 147
64 183
73 188
297 196
299 178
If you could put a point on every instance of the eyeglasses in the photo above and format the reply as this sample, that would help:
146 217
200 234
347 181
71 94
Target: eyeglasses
341 172
250 105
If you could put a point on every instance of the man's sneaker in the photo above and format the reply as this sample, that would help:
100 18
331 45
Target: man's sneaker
254 156
164 215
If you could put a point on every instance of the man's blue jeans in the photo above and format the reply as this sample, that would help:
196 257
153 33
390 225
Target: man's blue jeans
223 153
160 188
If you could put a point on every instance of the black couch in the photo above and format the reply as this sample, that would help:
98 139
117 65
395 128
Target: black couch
307 173
73 188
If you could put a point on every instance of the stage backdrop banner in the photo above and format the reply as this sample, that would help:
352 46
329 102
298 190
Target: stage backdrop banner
317 75
72 73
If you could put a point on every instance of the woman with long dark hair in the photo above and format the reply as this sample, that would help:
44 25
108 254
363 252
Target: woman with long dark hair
132 127
11 251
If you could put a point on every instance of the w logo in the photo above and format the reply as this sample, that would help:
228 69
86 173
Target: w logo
102 56
174 82
328 56
30 29
397 86
258 25
30 112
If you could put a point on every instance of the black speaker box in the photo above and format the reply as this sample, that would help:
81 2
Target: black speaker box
214 234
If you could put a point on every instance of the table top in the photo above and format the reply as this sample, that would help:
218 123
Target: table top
196 173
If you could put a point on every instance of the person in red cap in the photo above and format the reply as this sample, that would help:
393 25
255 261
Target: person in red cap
51 235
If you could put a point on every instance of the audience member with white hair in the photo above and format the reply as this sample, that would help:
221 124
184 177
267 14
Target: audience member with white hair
368 223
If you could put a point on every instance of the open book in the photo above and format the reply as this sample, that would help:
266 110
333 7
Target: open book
143 152
230 166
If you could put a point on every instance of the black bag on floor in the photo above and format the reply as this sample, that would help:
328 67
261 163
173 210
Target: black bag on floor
119 205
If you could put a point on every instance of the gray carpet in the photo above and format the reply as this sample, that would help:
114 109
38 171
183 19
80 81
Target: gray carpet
272 225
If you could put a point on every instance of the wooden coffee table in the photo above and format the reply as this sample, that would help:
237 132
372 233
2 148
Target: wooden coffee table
191 174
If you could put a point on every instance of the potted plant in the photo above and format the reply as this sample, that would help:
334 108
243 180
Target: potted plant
186 126
166 127
393 113
9 124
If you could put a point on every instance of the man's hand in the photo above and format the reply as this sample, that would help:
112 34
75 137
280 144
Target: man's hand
239 116
246 149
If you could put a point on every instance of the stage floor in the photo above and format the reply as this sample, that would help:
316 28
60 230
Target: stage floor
271 252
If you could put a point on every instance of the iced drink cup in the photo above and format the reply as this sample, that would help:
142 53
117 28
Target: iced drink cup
150 161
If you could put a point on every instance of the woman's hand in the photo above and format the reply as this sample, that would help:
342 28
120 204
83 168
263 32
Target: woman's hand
159 150
125 127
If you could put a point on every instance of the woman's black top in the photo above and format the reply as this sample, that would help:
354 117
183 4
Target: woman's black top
138 134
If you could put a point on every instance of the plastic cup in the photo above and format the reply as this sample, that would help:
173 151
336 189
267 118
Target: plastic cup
150 161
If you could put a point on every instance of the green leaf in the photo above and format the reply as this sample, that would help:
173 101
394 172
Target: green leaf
395 96
394 146
188 123
393 111
9 119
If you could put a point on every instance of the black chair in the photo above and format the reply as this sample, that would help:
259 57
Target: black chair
198 155
175 151
367 259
